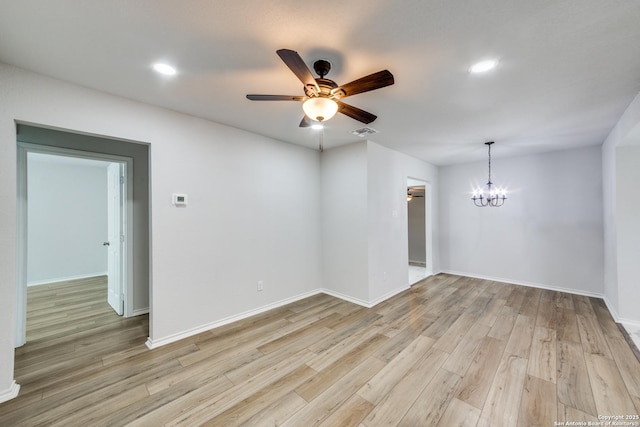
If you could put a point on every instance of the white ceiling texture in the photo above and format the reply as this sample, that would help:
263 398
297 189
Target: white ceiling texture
567 68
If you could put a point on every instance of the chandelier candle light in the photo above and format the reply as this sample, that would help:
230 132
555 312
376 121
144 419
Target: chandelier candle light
490 196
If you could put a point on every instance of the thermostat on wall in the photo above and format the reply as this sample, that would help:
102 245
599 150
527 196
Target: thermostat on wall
179 199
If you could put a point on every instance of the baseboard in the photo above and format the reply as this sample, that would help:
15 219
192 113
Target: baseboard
65 279
388 295
139 312
630 322
616 316
344 297
611 309
151 344
10 393
530 284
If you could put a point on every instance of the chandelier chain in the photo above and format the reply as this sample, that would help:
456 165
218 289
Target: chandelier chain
489 163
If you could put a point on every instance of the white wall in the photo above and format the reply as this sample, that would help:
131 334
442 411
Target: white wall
67 218
628 225
549 232
387 173
251 202
364 209
344 221
621 228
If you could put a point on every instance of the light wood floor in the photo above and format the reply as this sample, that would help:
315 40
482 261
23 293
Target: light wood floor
450 351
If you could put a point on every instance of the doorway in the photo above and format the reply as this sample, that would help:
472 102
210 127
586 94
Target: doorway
419 230
104 251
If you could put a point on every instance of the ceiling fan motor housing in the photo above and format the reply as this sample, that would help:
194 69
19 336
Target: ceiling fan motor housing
325 85
322 67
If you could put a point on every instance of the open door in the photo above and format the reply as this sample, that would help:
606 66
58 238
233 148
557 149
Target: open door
115 242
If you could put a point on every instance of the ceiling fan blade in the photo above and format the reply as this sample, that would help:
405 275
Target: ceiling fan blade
371 82
355 113
306 122
275 98
299 68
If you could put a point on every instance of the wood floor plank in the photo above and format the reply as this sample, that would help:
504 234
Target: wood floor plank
172 409
399 342
459 414
458 361
519 343
547 313
204 411
244 410
273 415
569 414
610 392
538 407
332 373
531 303
351 413
605 320
378 387
402 396
567 325
431 404
627 363
339 349
504 324
207 368
477 381
492 310
454 334
450 350
243 373
573 385
592 337
320 408
501 407
542 357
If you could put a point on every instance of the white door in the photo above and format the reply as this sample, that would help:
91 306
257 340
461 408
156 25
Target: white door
115 244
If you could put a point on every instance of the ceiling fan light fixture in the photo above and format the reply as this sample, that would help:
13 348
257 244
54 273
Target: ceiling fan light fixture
320 108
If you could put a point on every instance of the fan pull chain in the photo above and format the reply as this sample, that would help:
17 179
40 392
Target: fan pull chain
321 145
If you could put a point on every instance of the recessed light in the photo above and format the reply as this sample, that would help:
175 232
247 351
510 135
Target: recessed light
317 126
484 66
165 69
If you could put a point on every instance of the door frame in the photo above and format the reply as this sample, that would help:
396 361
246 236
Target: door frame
428 221
23 148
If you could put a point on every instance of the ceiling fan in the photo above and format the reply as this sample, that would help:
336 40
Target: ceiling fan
321 100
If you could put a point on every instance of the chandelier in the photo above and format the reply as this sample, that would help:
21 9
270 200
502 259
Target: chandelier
489 195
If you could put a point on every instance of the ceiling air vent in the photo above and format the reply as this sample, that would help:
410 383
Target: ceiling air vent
362 132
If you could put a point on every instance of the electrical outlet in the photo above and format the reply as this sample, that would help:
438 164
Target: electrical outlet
260 285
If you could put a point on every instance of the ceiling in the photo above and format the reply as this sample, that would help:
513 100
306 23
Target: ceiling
567 69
